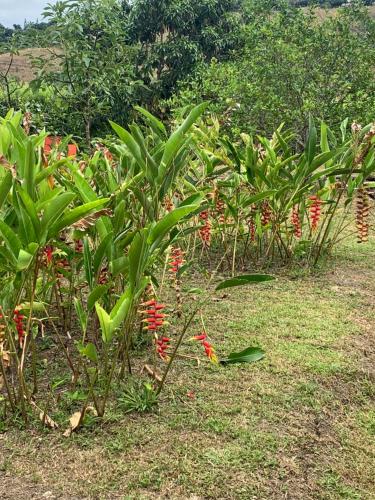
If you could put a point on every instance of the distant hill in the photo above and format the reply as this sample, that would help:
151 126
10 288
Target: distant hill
22 68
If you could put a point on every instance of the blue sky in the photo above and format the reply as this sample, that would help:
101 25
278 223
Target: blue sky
16 11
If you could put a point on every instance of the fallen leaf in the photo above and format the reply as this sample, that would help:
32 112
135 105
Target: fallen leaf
76 420
47 420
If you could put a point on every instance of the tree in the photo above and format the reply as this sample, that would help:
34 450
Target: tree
293 65
92 76
174 35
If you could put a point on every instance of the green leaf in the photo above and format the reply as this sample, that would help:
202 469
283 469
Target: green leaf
81 313
158 232
131 144
24 260
175 141
249 355
87 260
121 309
89 351
244 280
96 294
105 323
155 124
55 208
75 215
100 252
11 239
137 252
311 142
258 197
5 186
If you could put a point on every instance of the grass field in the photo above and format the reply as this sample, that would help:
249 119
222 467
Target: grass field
299 424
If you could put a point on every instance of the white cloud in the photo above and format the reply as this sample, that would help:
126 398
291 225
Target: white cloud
17 11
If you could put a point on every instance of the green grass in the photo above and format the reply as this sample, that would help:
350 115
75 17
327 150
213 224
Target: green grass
298 424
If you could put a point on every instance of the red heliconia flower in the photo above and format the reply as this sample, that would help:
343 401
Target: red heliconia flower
205 231
161 346
48 254
208 347
203 336
176 260
252 228
155 317
18 319
296 222
266 213
108 155
220 208
315 211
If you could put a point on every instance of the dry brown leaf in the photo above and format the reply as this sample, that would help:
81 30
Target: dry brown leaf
6 358
150 371
44 417
90 220
47 420
76 420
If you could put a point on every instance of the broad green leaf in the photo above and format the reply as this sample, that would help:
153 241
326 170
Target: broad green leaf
101 251
105 323
137 254
24 260
55 208
249 355
5 186
121 309
156 124
81 313
75 215
89 351
311 142
175 141
131 143
96 294
158 232
87 261
11 239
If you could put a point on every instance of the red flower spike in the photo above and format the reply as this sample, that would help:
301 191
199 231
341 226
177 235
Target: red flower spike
205 231
18 320
48 254
296 222
154 319
176 260
203 336
161 346
252 228
315 211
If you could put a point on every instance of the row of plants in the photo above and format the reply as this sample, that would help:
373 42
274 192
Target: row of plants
107 259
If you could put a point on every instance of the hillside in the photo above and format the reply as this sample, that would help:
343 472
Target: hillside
22 67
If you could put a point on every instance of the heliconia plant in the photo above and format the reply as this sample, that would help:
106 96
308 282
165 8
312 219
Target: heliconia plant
88 239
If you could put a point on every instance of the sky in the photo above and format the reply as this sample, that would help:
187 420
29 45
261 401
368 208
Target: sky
16 11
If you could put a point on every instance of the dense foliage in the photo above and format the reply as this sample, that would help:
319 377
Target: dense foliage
98 251
290 67
259 63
